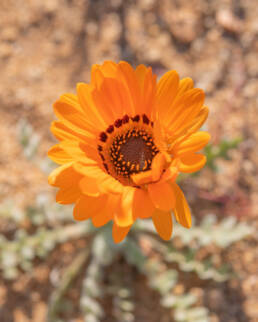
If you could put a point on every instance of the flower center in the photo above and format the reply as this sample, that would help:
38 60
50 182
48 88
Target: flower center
127 147
132 152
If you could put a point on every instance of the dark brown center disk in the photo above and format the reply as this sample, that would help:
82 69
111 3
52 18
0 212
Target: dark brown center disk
136 152
132 152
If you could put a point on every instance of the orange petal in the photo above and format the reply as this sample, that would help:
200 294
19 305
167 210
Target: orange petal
73 118
128 75
107 211
191 162
109 185
184 85
181 211
192 126
101 219
106 183
64 176
67 179
185 108
141 72
159 134
89 187
193 143
166 92
149 93
68 195
108 69
163 223
87 207
196 124
58 155
162 195
71 99
113 98
94 116
142 204
119 233
147 84
97 77
91 152
62 132
81 151
124 215
142 177
157 166
73 149
170 174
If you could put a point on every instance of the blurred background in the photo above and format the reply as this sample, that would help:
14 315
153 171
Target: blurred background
52 269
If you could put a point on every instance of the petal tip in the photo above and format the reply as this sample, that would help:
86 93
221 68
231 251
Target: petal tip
119 233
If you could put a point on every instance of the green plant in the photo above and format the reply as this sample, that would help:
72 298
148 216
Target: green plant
221 150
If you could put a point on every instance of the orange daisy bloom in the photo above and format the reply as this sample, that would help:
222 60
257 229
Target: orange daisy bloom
124 138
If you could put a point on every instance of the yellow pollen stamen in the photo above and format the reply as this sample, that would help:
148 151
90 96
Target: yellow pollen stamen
145 165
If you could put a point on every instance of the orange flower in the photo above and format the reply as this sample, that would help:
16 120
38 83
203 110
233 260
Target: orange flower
123 140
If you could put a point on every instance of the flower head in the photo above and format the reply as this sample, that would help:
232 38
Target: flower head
124 138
